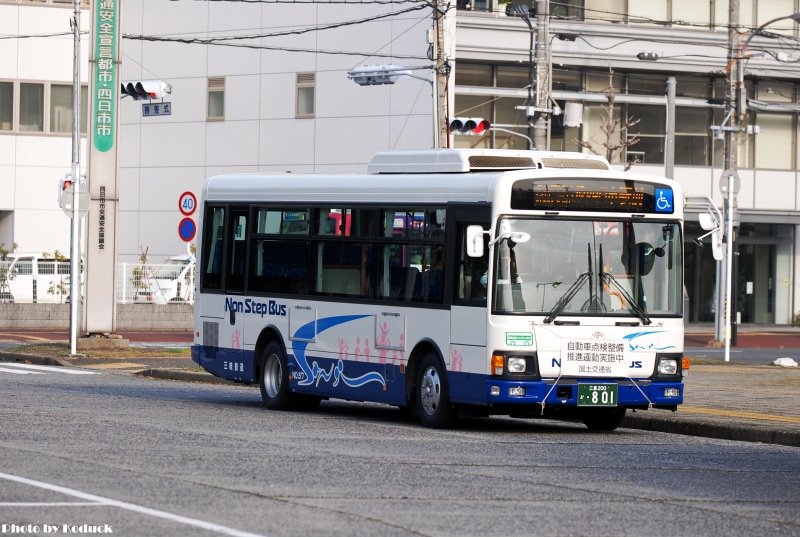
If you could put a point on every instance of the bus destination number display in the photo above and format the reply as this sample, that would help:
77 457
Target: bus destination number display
592 195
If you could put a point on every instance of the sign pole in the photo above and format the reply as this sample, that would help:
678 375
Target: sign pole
75 235
104 95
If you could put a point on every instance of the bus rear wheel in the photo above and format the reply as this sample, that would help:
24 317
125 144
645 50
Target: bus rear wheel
605 419
432 395
274 382
274 378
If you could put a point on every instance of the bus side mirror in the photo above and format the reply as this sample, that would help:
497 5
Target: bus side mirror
475 241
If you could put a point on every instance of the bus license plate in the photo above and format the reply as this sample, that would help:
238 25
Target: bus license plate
597 395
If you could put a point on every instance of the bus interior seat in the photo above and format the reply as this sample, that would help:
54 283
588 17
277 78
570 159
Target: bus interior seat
342 281
402 281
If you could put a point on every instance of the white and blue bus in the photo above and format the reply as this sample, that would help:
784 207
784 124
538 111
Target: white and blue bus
447 282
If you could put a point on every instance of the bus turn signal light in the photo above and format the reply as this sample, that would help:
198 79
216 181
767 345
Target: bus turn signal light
497 364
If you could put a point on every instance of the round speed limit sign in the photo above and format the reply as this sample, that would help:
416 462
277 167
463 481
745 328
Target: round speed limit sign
187 203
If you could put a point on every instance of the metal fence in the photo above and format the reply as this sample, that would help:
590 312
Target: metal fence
37 281
48 282
146 283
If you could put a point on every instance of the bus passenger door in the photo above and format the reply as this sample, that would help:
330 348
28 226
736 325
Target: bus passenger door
231 329
468 315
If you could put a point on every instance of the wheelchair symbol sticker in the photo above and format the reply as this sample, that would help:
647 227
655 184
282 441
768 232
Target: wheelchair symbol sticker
663 200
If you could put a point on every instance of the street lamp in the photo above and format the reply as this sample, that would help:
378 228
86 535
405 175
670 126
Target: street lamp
387 74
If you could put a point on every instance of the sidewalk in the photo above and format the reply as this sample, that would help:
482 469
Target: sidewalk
753 401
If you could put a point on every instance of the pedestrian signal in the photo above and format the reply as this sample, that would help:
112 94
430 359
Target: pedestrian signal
64 185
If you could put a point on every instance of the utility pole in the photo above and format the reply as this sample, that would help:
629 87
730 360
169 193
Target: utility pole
669 142
75 298
542 74
729 180
444 27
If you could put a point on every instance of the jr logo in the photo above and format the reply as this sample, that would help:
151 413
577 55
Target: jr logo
636 364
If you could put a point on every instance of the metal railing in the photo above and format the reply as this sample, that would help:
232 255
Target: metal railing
28 281
147 283
48 282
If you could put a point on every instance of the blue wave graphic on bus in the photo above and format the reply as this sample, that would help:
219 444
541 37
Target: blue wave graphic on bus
636 346
314 373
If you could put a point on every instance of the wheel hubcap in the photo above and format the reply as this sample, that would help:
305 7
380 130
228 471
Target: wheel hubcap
430 390
272 376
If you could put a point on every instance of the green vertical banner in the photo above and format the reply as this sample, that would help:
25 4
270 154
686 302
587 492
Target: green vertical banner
104 107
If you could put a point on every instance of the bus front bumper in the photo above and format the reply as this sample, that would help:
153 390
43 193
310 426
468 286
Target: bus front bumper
632 393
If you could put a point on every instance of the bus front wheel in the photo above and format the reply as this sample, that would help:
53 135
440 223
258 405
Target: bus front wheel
604 420
433 402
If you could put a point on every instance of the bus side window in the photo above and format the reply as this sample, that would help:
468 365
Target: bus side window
236 251
471 282
212 248
433 277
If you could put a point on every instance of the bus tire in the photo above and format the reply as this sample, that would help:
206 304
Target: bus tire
274 378
432 395
604 420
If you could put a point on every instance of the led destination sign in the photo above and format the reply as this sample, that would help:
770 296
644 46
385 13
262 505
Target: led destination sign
607 195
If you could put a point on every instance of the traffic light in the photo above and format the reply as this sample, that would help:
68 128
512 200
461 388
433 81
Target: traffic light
376 75
469 125
64 185
146 89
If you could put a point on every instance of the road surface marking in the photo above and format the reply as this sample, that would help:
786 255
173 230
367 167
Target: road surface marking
16 337
119 365
18 372
210 526
50 368
50 504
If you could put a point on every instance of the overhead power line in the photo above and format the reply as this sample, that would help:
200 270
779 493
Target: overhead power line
217 40
321 2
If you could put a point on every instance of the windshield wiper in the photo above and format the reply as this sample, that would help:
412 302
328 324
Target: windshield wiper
568 295
634 308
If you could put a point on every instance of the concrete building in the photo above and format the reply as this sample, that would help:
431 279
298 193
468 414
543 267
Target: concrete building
263 87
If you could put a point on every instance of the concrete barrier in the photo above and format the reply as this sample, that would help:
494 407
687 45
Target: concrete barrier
135 317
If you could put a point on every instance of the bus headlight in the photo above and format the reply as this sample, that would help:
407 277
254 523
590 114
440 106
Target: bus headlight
517 364
668 366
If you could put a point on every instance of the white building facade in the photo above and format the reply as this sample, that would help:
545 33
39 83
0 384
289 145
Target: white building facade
264 87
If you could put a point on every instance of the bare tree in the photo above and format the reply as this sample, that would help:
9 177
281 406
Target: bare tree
615 130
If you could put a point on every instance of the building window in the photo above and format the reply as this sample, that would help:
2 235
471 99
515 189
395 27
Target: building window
774 145
692 141
216 98
470 74
305 94
651 130
605 10
6 106
65 3
31 107
61 108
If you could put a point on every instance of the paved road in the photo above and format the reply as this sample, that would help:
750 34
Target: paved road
171 458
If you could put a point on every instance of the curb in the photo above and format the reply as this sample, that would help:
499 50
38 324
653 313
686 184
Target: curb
721 430
182 375
33 359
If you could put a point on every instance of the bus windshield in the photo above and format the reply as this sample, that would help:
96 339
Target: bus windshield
584 267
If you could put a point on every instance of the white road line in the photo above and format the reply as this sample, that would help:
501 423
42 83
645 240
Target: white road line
49 504
18 372
50 368
210 526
